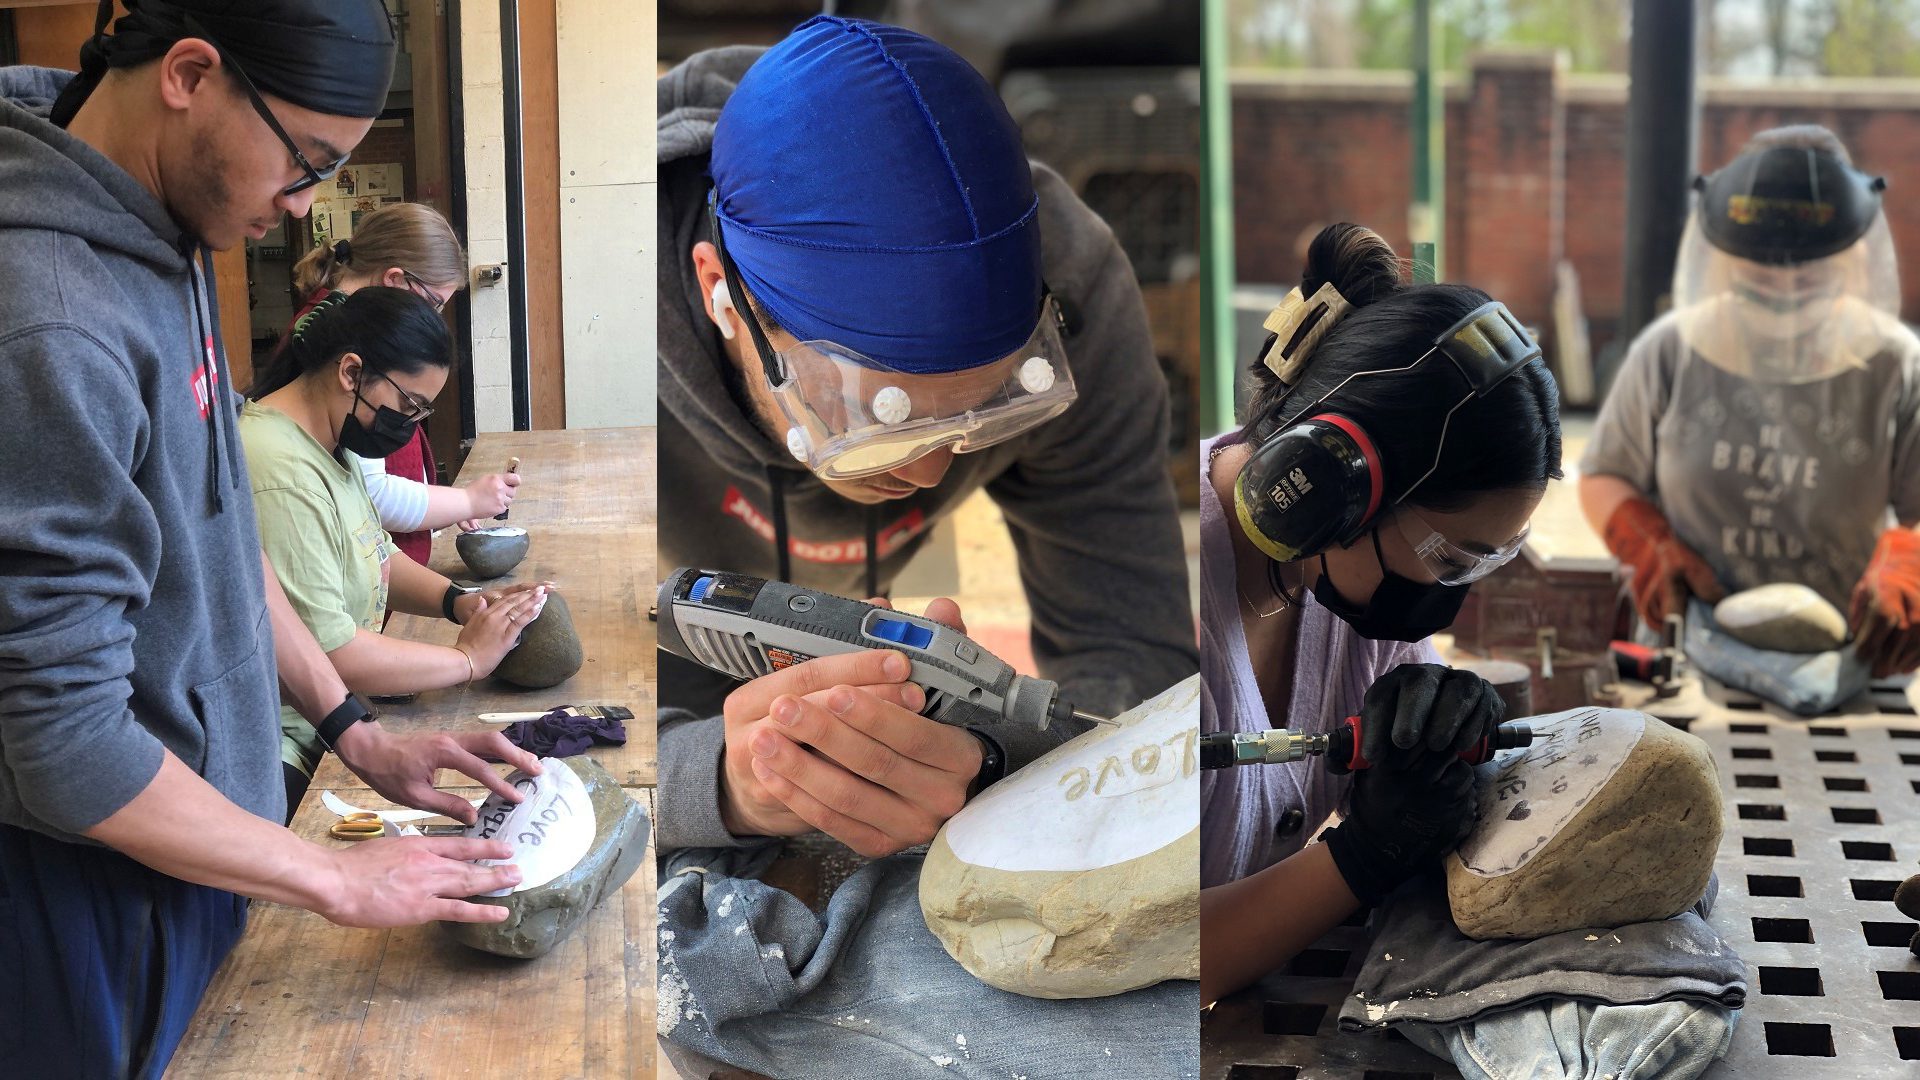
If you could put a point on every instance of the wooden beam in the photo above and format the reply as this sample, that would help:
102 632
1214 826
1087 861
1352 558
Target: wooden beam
540 149
50 35
432 172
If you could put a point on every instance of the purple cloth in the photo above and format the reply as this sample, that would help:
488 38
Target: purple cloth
1333 666
562 734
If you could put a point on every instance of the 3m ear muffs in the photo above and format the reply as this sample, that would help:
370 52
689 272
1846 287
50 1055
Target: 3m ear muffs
1310 486
1316 483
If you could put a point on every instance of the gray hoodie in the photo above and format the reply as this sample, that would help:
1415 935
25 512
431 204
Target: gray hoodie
132 608
1087 496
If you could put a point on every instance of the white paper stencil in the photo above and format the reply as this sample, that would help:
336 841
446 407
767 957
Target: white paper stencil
1110 795
1528 794
551 830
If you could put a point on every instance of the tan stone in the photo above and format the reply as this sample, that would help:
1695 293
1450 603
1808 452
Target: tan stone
1782 618
1610 818
1079 875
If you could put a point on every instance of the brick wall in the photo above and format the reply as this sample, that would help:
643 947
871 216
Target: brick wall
389 142
1536 169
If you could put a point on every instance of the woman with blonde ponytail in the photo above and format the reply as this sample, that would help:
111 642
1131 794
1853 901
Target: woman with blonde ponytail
404 246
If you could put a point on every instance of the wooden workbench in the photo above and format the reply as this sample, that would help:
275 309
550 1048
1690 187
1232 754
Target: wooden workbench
301 996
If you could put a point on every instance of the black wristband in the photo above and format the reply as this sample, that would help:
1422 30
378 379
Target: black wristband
454 592
336 723
993 763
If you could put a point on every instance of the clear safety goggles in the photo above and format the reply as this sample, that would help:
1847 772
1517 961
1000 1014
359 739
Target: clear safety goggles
851 415
1448 562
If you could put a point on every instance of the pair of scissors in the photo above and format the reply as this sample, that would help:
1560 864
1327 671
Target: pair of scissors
359 825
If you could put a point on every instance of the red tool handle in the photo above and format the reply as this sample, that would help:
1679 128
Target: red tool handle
1344 755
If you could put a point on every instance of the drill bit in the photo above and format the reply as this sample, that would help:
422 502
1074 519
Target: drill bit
1081 714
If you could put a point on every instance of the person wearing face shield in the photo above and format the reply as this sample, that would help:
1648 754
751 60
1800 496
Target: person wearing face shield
1767 428
1398 440
144 639
872 305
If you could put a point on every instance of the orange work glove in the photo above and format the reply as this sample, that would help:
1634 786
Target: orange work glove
1885 616
1665 571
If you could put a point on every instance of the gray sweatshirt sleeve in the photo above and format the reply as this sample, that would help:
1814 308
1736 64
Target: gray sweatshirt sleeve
1624 443
690 750
1905 495
1093 517
80 546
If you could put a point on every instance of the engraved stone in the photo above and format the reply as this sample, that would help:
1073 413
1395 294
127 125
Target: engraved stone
1079 875
1621 822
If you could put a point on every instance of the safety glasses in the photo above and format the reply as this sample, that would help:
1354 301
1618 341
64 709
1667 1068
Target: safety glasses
850 415
1448 562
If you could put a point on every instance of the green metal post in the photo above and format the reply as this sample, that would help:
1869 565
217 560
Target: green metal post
1423 263
1218 372
1427 217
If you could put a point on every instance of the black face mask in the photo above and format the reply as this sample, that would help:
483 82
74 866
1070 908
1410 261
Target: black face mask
391 430
1401 609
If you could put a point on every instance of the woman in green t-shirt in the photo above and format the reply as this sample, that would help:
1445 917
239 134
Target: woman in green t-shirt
355 380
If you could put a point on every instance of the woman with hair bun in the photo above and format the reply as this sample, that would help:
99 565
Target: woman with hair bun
1398 439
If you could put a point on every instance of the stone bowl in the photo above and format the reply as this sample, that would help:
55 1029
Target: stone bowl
494 551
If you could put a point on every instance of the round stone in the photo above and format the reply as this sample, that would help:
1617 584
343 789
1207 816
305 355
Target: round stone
1782 618
491 552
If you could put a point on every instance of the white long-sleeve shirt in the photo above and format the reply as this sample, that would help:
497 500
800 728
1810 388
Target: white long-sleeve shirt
400 502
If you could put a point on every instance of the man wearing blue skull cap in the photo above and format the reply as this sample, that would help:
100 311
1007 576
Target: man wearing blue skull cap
142 655
871 306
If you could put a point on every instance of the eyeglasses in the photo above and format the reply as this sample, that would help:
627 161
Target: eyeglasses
418 408
312 175
423 290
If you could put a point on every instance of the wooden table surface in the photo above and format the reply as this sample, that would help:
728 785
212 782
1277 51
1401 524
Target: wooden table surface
301 996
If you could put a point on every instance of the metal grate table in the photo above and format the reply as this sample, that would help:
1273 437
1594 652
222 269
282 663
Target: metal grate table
1822 824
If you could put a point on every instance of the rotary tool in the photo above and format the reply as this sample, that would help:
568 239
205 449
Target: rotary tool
748 627
1340 747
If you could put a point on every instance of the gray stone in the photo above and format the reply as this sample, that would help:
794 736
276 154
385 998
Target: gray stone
1782 618
489 553
540 918
1906 898
549 651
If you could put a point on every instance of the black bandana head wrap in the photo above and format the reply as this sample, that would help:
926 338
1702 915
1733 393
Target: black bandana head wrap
331 56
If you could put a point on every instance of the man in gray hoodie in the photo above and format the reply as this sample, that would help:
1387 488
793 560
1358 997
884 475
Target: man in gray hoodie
144 642
1086 494
871 306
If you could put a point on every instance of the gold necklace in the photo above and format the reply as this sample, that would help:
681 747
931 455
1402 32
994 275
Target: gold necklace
1273 568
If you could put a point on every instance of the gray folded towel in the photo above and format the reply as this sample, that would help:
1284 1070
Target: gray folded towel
1422 970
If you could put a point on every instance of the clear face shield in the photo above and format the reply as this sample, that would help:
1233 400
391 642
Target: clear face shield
1787 322
850 415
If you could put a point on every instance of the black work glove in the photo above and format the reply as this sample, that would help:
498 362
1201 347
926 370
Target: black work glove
1420 709
1401 823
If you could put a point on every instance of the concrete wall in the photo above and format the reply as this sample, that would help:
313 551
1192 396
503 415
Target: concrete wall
607 173
485 158
606 169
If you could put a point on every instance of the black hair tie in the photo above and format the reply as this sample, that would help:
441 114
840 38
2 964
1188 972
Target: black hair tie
343 252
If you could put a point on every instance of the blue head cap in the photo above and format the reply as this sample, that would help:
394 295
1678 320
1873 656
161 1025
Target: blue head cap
873 192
